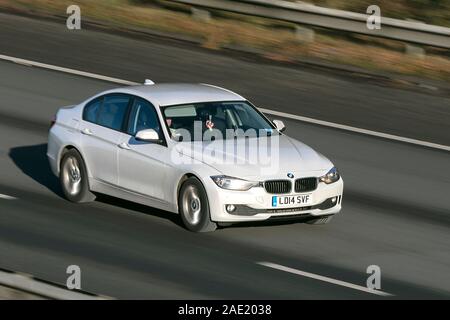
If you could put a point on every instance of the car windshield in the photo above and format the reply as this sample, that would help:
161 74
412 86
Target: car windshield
215 120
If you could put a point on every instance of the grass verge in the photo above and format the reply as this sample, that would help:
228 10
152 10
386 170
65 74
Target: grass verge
271 39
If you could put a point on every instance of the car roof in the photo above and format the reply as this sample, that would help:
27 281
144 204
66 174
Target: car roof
166 94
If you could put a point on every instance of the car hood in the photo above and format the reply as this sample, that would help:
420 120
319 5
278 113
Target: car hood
256 158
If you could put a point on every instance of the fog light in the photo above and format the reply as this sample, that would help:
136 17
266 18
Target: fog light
334 199
230 208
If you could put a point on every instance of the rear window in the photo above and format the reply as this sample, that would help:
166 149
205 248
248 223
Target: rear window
91 110
113 111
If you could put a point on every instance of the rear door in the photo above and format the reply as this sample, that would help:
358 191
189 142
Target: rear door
103 120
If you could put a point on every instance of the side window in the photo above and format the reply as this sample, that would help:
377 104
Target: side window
90 112
143 116
113 111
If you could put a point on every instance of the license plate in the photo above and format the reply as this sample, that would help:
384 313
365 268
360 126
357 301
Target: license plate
297 200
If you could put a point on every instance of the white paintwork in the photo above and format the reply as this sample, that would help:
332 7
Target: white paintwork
149 135
120 165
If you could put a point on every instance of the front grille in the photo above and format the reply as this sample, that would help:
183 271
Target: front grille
305 184
278 186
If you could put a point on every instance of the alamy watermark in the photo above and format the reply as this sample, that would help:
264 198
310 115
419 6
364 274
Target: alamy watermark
73 21
374 280
374 18
229 147
74 280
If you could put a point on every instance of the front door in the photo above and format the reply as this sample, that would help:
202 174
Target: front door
144 166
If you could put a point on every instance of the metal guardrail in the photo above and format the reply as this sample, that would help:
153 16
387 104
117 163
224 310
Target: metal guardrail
37 287
407 31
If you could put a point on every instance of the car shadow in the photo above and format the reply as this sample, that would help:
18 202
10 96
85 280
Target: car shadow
266 223
32 161
140 208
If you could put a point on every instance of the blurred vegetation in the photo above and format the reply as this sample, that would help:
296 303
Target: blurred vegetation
269 38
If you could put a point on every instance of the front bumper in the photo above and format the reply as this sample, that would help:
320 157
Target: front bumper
256 204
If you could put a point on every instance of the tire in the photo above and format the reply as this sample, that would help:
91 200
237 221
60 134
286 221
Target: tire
74 179
193 207
319 221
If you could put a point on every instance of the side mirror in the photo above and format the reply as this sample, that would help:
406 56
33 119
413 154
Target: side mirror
279 125
148 135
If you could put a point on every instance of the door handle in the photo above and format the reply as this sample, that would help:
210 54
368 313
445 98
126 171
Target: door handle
124 145
86 131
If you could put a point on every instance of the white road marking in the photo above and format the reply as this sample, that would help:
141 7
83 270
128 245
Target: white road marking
325 279
357 130
6 197
268 111
65 70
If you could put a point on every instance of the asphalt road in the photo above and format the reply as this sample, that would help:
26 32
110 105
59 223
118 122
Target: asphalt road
413 111
396 215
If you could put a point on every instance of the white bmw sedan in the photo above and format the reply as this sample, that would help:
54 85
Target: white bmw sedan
194 149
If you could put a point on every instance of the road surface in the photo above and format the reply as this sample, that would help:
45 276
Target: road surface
396 215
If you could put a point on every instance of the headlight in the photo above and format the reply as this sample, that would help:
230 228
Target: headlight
331 176
231 183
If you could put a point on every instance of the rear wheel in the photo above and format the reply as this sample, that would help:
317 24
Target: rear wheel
74 179
194 207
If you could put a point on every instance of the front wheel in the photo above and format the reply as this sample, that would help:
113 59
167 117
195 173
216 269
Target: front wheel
194 207
74 179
